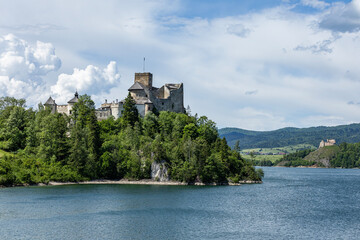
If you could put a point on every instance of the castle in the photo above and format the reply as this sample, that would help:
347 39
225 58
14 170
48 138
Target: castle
329 142
169 97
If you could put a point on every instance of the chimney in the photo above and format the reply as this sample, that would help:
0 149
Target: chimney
117 100
105 100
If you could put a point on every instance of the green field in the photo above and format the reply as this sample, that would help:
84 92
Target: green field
272 158
275 151
287 149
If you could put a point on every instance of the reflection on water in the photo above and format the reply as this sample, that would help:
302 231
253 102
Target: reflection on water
292 203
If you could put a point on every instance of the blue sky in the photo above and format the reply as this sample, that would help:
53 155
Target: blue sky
251 64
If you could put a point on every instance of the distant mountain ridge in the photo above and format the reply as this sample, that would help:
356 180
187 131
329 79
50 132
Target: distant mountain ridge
291 136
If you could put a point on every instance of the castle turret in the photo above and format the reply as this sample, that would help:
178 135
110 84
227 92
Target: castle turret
50 103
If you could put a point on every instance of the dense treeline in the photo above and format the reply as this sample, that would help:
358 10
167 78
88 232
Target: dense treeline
290 136
345 155
296 159
263 163
348 156
42 146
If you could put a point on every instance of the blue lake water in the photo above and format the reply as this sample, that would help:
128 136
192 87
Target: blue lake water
292 203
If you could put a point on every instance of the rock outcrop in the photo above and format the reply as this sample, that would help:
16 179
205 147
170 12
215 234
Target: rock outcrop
159 171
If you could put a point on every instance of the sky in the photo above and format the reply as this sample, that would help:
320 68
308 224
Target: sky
251 64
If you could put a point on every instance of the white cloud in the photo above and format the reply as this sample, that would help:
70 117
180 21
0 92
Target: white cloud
324 46
343 17
33 29
92 80
23 65
19 59
254 78
315 4
239 30
256 119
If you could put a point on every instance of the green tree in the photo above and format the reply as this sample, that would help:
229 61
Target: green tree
130 114
6 102
85 138
207 129
150 125
53 142
14 130
237 146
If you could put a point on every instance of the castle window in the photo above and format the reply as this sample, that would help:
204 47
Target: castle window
70 112
162 103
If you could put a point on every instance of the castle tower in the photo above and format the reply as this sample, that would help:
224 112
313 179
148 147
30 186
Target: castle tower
144 78
50 104
71 103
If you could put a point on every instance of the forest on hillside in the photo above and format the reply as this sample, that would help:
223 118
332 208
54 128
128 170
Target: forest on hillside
344 155
38 146
291 136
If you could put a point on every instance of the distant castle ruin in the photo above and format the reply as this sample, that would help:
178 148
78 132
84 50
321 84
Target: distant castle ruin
329 142
170 97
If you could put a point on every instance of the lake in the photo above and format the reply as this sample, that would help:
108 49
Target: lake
292 203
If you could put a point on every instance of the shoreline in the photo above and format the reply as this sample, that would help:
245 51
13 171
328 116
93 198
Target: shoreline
135 182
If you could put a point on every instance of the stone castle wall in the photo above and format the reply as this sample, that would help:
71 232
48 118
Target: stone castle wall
62 109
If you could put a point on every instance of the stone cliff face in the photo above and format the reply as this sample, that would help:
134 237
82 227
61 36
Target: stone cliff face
159 171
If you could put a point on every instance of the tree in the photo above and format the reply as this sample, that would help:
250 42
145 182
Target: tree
85 137
130 114
237 146
252 156
52 138
207 129
151 125
15 128
6 102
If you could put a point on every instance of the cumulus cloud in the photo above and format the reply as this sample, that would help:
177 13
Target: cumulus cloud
92 80
315 4
23 65
343 17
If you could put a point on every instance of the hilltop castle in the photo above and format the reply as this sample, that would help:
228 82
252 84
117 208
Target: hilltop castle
169 97
329 142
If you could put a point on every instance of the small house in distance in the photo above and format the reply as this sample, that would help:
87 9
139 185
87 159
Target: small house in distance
329 142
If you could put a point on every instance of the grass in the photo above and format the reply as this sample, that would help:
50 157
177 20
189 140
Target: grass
272 158
286 149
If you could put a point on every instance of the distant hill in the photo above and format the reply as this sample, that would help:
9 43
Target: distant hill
290 136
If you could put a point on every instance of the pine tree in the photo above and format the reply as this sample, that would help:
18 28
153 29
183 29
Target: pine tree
130 114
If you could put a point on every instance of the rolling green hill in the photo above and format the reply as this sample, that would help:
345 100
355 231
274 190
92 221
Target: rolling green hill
290 136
